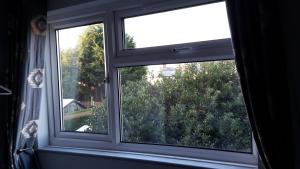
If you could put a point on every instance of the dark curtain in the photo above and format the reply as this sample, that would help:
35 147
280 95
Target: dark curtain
258 40
5 100
22 70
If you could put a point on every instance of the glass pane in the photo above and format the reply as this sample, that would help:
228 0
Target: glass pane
82 69
193 24
196 104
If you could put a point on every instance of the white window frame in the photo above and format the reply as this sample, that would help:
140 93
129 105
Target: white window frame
111 15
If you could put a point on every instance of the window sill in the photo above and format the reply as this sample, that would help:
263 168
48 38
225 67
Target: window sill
148 157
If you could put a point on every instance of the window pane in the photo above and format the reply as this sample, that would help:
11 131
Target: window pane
82 66
193 24
196 104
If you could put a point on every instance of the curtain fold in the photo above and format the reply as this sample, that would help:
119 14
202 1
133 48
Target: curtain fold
26 43
262 64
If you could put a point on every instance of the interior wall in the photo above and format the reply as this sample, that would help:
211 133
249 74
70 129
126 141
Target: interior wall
56 4
57 160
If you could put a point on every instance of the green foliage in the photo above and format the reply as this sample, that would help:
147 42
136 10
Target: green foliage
206 103
91 56
132 74
69 71
200 106
83 68
142 112
91 59
74 124
98 121
129 42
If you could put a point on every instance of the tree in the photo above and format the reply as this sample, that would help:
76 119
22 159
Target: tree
92 74
142 112
200 106
98 121
92 63
204 107
70 72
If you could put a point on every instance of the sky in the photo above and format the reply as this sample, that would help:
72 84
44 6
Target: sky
206 22
200 23
68 38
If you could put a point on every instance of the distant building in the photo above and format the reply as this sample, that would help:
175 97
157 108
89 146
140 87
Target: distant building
72 105
167 71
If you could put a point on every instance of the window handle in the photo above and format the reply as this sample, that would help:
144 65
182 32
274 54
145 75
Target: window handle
106 80
181 49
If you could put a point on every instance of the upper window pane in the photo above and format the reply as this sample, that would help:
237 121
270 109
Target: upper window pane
193 24
189 104
82 68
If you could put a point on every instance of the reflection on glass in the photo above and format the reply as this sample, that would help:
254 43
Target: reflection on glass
82 69
193 24
190 104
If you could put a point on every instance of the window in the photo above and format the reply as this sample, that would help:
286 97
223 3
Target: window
82 66
159 80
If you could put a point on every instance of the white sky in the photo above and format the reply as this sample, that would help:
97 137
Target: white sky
206 22
68 38
200 23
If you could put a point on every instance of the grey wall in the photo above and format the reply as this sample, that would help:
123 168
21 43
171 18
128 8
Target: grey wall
57 160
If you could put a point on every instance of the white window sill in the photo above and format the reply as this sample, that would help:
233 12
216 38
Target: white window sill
149 157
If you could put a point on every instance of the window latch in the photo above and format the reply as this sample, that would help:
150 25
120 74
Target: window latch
106 80
181 49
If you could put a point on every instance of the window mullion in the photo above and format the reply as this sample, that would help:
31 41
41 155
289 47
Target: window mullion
113 78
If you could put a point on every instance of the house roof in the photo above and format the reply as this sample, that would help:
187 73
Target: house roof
67 101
